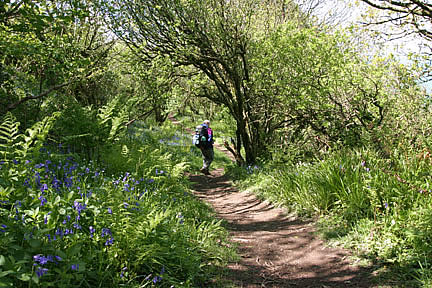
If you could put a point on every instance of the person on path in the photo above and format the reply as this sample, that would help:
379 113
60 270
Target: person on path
207 149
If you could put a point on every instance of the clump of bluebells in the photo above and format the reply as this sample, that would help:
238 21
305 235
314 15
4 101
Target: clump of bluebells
65 220
57 209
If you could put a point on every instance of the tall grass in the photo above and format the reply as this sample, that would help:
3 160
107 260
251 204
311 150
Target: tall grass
379 207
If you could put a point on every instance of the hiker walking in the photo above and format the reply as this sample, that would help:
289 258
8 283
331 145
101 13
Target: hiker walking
203 139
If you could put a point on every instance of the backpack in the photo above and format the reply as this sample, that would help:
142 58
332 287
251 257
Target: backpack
200 138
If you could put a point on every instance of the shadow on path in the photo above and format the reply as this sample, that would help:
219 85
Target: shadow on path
276 250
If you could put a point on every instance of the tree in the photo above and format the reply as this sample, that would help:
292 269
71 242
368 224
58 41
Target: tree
48 48
406 18
417 14
212 36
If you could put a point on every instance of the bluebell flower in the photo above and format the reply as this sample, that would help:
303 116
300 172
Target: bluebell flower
180 216
3 228
157 279
41 271
106 232
68 181
43 200
59 232
79 207
75 267
122 272
92 230
40 165
109 241
56 183
42 260
27 183
109 210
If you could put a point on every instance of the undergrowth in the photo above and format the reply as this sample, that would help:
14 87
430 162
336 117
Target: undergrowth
68 222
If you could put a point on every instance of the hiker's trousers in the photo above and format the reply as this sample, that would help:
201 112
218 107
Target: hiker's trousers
208 156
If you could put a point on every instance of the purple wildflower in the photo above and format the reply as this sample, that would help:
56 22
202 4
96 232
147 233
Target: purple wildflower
106 232
43 200
92 230
75 267
109 241
42 260
41 271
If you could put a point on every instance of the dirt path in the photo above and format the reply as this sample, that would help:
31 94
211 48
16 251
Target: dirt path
276 250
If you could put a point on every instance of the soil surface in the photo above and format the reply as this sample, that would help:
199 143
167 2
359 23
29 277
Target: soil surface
276 249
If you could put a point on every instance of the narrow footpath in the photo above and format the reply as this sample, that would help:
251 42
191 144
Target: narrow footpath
277 250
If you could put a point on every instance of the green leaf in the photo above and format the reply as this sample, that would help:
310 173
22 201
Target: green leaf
2 260
25 277
35 243
74 249
4 273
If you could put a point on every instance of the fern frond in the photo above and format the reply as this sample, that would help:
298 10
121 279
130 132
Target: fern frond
9 136
112 114
35 136
106 113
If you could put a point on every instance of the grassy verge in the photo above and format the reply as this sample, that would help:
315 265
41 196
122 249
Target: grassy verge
379 208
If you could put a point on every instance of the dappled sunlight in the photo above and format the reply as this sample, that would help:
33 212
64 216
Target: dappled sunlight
276 249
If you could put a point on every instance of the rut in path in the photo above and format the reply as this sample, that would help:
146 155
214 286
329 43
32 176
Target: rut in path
277 250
